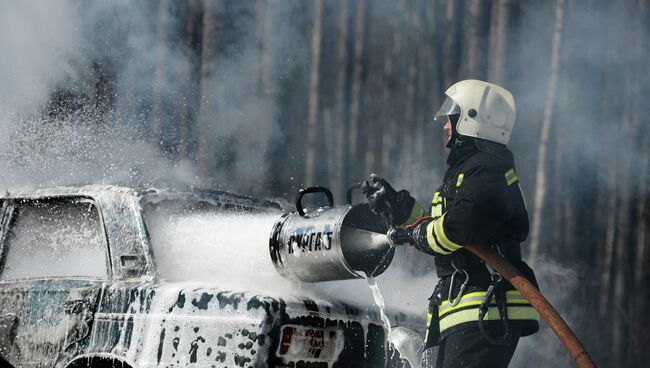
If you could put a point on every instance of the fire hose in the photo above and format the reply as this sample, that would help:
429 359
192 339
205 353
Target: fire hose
526 288
537 300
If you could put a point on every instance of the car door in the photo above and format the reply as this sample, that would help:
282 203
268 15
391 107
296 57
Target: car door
53 262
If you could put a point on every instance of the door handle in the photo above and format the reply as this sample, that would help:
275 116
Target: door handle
8 316
74 306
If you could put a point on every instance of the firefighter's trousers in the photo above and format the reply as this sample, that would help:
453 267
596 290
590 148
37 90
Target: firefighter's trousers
469 349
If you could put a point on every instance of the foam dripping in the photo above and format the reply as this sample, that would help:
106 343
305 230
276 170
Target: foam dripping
408 343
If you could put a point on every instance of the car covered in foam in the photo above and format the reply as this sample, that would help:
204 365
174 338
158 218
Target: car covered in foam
112 276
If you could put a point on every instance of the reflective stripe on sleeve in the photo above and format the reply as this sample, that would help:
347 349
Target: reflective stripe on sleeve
459 182
441 237
431 239
436 205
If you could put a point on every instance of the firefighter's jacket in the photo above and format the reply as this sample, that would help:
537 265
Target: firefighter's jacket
479 202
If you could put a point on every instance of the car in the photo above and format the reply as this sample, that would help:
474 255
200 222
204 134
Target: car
109 276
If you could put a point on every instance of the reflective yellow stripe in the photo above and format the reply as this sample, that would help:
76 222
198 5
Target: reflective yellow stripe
436 207
433 243
459 182
475 298
471 315
429 316
514 292
511 177
462 305
416 212
511 294
465 297
436 211
442 238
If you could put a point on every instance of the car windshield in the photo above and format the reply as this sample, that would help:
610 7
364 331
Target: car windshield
199 240
54 238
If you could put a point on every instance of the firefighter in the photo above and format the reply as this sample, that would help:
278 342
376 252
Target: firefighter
475 316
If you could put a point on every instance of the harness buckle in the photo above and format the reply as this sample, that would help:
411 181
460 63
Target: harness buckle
496 290
454 301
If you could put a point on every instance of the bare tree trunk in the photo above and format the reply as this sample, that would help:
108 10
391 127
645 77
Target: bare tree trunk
540 179
391 136
208 51
450 50
155 133
269 27
372 122
408 145
610 227
498 40
341 86
637 337
190 82
422 80
258 67
312 114
643 209
356 80
619 312
556 201
471 48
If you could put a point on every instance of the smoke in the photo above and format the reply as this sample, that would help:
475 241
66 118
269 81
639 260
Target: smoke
54 131
37 51
562 285
96 92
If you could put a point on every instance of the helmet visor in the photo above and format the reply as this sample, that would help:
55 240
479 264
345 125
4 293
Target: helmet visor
449 107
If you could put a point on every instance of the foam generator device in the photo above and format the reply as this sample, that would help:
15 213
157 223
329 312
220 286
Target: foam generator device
330 243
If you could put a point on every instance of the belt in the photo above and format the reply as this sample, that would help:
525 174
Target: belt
461 259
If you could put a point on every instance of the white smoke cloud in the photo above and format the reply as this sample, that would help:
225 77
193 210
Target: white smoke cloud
38 44
560 284
50 47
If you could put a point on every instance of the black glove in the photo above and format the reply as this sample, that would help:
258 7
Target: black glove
419 235
384 200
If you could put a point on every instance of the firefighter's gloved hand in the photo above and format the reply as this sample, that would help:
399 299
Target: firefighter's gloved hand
419 235
384 200
381 195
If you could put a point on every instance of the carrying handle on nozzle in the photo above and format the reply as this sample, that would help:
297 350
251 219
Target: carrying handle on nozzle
351 189
304 191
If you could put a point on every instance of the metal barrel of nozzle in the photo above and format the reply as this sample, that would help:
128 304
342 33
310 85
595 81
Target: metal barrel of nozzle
331 242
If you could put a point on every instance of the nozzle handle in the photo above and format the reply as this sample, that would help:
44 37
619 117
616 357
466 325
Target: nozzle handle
399 236
351 189
304 191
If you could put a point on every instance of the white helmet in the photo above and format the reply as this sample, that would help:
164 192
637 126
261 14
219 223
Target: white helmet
485 110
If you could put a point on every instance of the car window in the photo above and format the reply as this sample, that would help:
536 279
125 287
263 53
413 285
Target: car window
54 238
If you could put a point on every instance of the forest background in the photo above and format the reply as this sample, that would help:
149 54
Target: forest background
266 97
